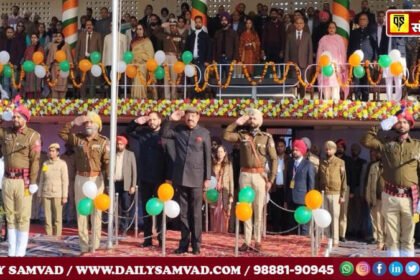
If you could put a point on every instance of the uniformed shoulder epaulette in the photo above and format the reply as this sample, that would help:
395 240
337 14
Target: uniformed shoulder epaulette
266 134
103 137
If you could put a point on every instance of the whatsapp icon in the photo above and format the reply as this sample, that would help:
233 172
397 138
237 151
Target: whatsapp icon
346 268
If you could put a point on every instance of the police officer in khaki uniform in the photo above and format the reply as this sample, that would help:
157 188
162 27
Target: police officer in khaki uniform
256 148
332 179
92 158
21 148
400 159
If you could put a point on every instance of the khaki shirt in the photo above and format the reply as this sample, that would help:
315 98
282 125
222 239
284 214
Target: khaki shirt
54 179
172 43
91 155
400 159
374 184
71 166
264 146
332 176
21 150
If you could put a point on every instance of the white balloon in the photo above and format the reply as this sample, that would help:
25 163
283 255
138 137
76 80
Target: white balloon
189 70
360 54
90 189
121 66
322 217
4 57
160 57
172 209
40 71
395 55
96 70
64 74
7 116
213 182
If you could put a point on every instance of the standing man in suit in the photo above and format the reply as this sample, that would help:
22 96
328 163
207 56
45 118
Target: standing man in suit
381 37
89 41
192 172
299 50
199 44
273 38
153 166
131 33
300 178
125 179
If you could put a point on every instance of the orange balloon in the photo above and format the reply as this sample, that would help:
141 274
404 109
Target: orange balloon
151 65
165 192
396 68
179 67
85 65
102 202
324 60
313 199
243 211
38 57
60 56
131 71
354 60
1 68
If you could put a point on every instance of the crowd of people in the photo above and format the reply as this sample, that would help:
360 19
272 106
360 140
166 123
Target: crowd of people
250 37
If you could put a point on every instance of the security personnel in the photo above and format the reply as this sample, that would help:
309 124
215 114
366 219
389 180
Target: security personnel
21 148
400 159
256 148
92 158
332 179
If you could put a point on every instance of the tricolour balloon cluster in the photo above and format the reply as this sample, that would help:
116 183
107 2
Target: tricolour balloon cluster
92 200
313 202
163 202
154 65
243 209
325 62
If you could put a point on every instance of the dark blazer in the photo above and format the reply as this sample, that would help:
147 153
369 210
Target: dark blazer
129 170
231 45
364 39
16 49
302 55
383 45
304 181
193 154
204 46
96 44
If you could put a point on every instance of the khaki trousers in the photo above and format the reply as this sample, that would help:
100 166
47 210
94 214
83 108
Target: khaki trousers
378 222
399 226
36 207
17 205
257 182
333 206
343 214
53 215
170 90
95 219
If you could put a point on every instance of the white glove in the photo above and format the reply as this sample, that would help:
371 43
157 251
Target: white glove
389 123
7 116
33 188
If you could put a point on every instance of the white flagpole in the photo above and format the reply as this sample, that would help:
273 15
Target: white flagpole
113 121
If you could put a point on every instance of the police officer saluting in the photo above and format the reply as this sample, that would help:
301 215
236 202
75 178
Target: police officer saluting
21 147
256 148
92 158
400 159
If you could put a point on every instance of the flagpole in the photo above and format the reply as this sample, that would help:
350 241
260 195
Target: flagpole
113 120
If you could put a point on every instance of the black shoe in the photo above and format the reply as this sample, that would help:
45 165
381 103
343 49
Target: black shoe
180 251
371 241
243 248
342 239
146 244
196 252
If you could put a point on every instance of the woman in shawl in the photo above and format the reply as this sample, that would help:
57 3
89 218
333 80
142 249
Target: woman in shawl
249 46
32 87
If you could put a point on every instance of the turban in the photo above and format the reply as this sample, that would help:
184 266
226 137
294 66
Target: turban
307 141
54 146
122 139
300 146
330 145
404 114
23 111
225 15
257 114
341 142
95 118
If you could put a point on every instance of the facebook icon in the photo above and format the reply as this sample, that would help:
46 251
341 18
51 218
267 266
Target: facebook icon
379 269
396 268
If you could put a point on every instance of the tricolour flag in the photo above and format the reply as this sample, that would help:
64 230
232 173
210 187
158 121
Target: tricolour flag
341 17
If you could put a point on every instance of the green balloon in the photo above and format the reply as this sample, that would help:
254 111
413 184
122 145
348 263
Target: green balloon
187 57
246 194
159 73
358 71
64 66
95 57
384 61
303 215
128 57
7 71
212 195
85 206
154 206
28 66
328 71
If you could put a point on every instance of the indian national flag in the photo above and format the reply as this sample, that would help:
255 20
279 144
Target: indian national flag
341 17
